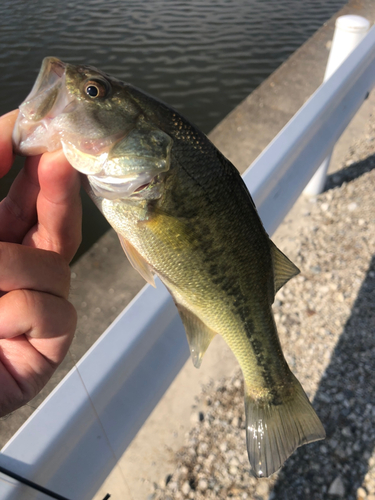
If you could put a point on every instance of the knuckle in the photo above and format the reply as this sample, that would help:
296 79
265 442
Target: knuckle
62 269
65 330
62 317
27 299
72 317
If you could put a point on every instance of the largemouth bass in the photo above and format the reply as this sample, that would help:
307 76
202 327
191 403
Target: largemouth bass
182 212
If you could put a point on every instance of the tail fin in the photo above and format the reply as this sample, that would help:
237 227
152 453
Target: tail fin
274 432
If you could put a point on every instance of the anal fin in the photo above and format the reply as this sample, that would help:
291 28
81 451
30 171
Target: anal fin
283 268
137 261
198 334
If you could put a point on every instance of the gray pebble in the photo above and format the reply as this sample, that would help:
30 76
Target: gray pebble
337 488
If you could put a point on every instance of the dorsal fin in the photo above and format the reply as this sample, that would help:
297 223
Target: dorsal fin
283 268
137 261
198 334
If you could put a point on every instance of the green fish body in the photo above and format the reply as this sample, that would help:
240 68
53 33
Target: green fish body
181 211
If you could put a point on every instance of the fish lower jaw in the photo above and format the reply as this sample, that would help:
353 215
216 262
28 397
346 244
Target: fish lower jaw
33 142
32 138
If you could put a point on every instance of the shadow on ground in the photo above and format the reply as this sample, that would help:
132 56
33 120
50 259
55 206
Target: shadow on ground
350 173
345 402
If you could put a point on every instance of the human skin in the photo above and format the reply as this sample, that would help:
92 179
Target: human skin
40 231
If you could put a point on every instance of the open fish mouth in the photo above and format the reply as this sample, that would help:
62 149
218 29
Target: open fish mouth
47 100
103 134
51 72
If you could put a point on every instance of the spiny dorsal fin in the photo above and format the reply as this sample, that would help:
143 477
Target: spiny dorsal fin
198 334
283 268
137 261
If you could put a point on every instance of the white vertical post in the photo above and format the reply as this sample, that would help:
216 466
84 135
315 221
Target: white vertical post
349 31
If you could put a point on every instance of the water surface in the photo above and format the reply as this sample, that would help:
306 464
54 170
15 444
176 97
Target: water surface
201 56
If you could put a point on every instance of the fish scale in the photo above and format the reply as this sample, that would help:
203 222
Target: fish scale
181 211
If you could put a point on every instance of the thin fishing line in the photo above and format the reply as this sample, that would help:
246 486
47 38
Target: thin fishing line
36 486
31 484
101 425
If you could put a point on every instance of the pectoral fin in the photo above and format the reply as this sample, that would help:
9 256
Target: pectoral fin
137 261
283 268
198 334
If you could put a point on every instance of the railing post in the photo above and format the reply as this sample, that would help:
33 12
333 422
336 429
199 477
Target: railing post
349 31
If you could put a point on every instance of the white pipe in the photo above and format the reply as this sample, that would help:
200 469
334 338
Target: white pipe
349 31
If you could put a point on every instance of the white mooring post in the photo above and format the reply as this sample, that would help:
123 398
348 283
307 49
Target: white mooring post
349 31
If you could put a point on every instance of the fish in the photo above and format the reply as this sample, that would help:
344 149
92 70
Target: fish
182 212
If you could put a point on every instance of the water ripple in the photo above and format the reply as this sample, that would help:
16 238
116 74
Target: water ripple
202 57
207 49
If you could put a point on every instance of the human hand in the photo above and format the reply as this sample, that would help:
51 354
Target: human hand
40 231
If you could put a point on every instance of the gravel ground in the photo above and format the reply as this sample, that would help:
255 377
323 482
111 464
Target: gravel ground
326 322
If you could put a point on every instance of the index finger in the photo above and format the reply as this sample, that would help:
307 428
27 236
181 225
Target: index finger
22 267
6 147
58 207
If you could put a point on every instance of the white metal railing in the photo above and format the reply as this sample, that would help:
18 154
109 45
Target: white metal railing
72 441
349 31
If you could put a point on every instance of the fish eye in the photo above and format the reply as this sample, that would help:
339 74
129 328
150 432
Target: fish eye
95 88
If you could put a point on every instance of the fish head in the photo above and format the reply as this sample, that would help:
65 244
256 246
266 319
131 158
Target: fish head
102 130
